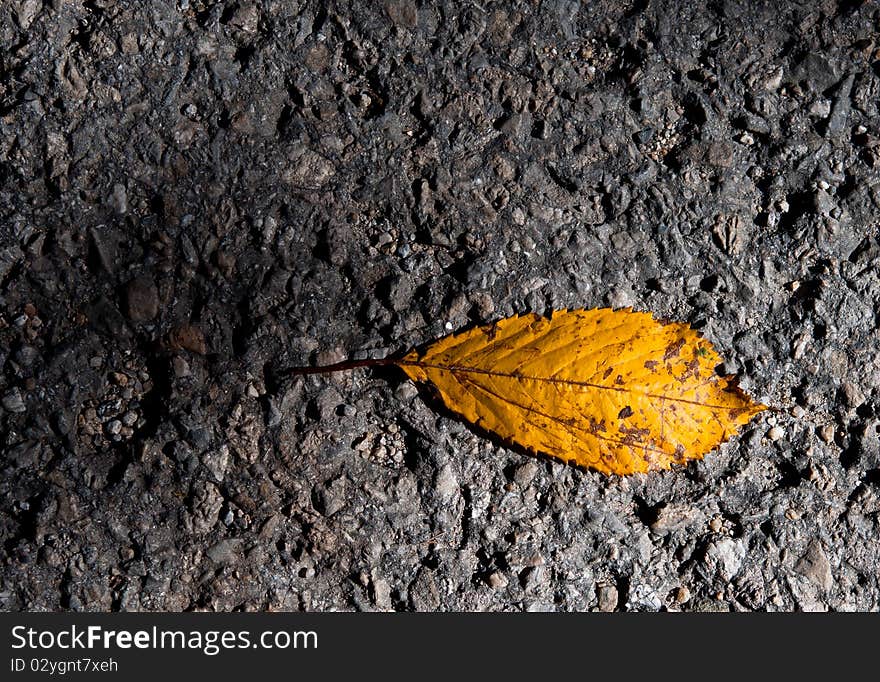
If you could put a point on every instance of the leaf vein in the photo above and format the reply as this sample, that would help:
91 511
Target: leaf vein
556 380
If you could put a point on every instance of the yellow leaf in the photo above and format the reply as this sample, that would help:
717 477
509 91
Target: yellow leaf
612 390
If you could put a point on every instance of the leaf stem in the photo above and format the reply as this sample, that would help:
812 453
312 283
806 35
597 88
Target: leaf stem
341 366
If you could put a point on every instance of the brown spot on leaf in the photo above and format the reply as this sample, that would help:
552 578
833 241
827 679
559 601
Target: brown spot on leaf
625 412
673 349
634 432
693 368
651 365
596 426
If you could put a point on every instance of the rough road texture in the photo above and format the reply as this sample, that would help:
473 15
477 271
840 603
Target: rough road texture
196 195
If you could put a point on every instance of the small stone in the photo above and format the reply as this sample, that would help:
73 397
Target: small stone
423 592
26 355
836 123
484 304
225 551
180 367
525 473
331 498
446 483
497 580
532 578
119 378
620 298
118 200
270 229
607 596
114 426
726 556
226 263
776 433
326 403
206 504
129 44
773 79
142 298
644 598
852 394
188 337
675 516
720 154
246 18
13 401
180 451
273 415
682 595
400 293
217 461
820 108
799 347
814 566
26 11
513 124
309 170
382 594
826 433
822 201
645 136
538 607
199 437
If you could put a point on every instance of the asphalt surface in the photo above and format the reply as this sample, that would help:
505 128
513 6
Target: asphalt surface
195 196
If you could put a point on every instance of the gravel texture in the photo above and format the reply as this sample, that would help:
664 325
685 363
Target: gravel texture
196 195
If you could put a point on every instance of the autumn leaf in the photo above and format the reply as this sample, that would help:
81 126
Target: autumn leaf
612 390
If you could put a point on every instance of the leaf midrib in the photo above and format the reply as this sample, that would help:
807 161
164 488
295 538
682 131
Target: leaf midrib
557 380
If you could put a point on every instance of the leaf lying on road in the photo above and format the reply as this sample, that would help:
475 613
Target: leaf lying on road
611 390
